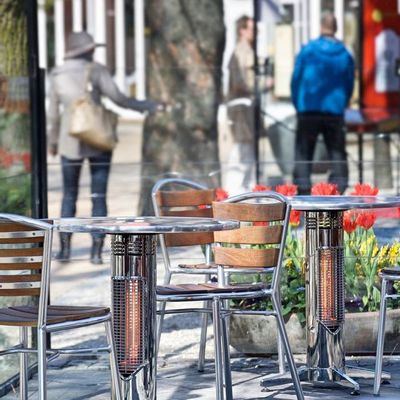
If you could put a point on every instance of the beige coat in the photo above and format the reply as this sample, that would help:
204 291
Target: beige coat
241 91
66 85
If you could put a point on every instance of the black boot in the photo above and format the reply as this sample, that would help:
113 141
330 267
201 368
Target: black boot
65 247
97 247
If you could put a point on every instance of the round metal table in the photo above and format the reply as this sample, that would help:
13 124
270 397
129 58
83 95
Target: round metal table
324 281
133 264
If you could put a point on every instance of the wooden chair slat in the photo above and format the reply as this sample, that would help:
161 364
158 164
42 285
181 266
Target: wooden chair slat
28 316
246 258
20 278
188 239
28 252
195 212
20 292
21 240
181 198
20 266
251 235
14 227
249 212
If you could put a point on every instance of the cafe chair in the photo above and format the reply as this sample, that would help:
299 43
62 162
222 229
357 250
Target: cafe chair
257 247
184 198
387 275
25 259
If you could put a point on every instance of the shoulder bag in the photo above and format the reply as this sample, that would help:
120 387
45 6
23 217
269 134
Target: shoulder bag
92 123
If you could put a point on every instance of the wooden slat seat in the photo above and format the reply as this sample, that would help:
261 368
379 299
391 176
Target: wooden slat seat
28 316
205 288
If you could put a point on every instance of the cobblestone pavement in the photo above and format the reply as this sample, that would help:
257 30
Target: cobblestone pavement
89 377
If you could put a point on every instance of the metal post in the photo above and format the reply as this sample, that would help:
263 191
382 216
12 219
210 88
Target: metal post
100 54
120 64
339 14
133 262
59 31
257 95
324 295
77 16
140 62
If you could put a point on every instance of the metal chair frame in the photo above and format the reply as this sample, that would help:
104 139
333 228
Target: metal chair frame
45 230
386 278
220 315
170 271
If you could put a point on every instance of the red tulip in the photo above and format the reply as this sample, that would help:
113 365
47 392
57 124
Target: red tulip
366 219
221 194
261 188
287 190
26 159
349 222
324 189
364 189
295 218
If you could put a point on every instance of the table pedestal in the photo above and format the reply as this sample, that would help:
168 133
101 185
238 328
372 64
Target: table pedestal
325 293
133 262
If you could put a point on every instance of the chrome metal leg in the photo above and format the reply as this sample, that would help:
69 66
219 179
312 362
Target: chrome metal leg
216 306
289 355
203 338
281 355
348 379
381 338
281 349
42 363
115 381
23 364
161 309
226 358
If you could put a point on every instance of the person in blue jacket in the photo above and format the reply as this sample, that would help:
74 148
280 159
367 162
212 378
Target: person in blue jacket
321 87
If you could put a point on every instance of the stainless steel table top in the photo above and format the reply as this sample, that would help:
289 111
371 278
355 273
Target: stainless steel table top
142 225
340 203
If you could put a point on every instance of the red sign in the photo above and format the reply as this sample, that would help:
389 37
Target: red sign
381 52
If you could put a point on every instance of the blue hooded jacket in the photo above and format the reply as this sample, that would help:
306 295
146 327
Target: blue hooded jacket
323 77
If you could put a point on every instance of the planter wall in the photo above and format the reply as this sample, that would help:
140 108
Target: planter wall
258 335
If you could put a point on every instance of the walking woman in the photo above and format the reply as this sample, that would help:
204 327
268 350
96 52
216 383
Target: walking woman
67 83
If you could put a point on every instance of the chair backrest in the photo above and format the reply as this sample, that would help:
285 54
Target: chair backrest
260 241
25 253
182 198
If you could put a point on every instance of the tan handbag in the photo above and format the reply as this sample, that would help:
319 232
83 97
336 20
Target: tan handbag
92 123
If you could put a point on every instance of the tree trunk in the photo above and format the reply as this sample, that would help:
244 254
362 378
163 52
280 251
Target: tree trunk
184 57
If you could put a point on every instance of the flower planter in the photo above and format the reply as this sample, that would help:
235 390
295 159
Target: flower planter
258 335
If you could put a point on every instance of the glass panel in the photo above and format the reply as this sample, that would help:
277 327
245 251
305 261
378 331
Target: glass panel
15 155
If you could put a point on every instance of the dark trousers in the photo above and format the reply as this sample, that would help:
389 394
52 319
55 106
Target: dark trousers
309 126
99 172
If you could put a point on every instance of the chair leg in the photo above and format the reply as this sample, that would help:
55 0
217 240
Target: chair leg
42 363
227 358
381 338
23 364
281 355
161 309
203 338
216 306
289 355
115 381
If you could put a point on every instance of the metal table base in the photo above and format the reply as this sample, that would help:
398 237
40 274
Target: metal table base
325 308
133 263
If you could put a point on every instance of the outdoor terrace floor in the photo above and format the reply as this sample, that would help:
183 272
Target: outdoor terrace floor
89 378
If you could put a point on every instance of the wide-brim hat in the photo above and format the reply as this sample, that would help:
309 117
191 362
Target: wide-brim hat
79 43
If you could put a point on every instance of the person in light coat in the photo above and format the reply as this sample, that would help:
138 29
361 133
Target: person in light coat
66 85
